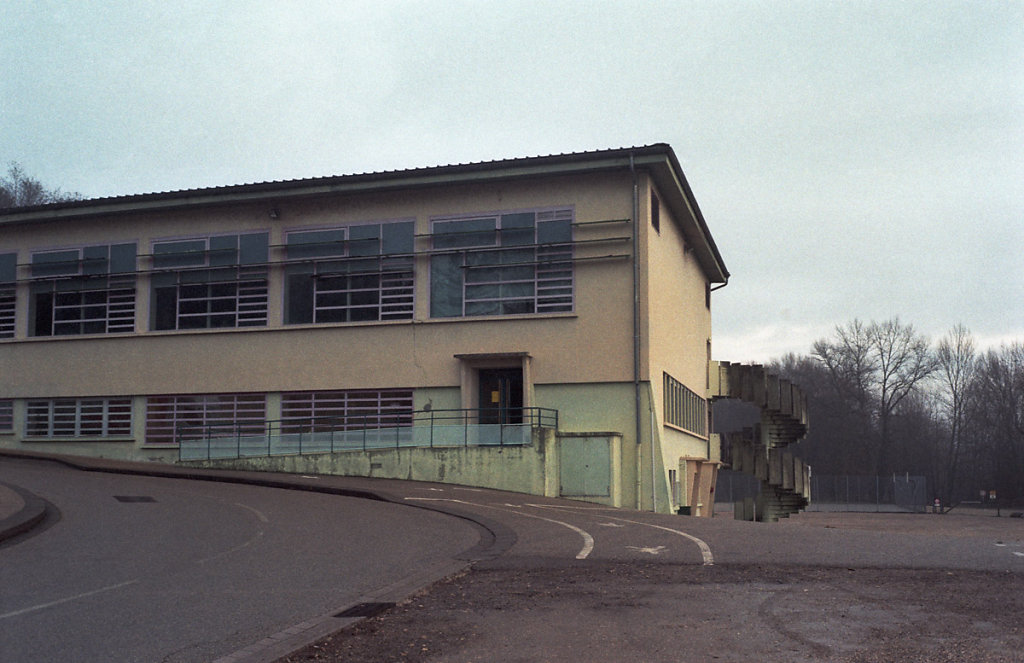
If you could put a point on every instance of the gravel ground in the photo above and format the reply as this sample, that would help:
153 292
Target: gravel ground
518 611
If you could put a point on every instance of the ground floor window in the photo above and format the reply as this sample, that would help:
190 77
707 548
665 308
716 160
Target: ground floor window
316 411
170 418
684 408
6 416
78 417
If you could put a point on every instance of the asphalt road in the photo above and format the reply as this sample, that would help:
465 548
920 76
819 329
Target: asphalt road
154 569
557 580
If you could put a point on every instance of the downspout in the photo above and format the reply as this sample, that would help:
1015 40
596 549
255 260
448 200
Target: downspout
636 329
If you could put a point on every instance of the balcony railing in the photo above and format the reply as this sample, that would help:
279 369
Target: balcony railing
499 427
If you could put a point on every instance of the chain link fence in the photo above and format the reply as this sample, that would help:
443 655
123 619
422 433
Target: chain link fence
897 493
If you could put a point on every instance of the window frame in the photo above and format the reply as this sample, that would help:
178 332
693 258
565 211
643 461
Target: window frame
218 290
200 412
8 294
356 282
83 295
470 276
6 415
348 409
87 418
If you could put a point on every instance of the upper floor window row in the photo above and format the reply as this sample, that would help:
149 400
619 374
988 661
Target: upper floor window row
502 264
354 273
88 290
505 263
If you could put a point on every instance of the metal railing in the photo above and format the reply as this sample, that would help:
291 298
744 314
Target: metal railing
499 427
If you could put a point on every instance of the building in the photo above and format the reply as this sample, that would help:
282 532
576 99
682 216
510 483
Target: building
568 296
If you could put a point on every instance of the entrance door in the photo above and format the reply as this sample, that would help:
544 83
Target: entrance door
501 396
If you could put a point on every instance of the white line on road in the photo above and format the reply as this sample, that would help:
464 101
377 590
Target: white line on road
68 599
705 550
259 514
588 541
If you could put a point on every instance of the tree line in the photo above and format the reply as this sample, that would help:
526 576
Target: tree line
883 399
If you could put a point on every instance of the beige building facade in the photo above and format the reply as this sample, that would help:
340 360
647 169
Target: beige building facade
568 294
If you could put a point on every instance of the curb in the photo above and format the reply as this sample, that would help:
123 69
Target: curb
31 514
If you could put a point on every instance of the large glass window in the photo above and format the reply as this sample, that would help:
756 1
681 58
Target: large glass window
8 276
79 417
83 291
349 274
195 416
503 264
315 411
210 282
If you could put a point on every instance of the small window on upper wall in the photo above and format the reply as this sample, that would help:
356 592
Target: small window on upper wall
655 212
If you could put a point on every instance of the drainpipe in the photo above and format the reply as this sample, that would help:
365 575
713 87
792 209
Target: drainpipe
636 329
654 493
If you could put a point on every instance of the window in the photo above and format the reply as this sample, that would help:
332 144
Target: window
350 274
170 418
79 417
655 212
8 275
315 411
685 409
210 282
502 264
6 416
83 291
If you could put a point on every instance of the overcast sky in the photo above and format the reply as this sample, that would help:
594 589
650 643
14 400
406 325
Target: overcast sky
852 159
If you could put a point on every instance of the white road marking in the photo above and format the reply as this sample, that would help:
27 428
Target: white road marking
705 550
657 550
1019 554
258 513
609 525
588 541
68 599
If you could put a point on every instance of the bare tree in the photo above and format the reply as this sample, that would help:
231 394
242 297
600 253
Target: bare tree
18 189
875 367
904 359
997 416
957 360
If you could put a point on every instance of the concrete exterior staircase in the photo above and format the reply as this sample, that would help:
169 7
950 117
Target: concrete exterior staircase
761 450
